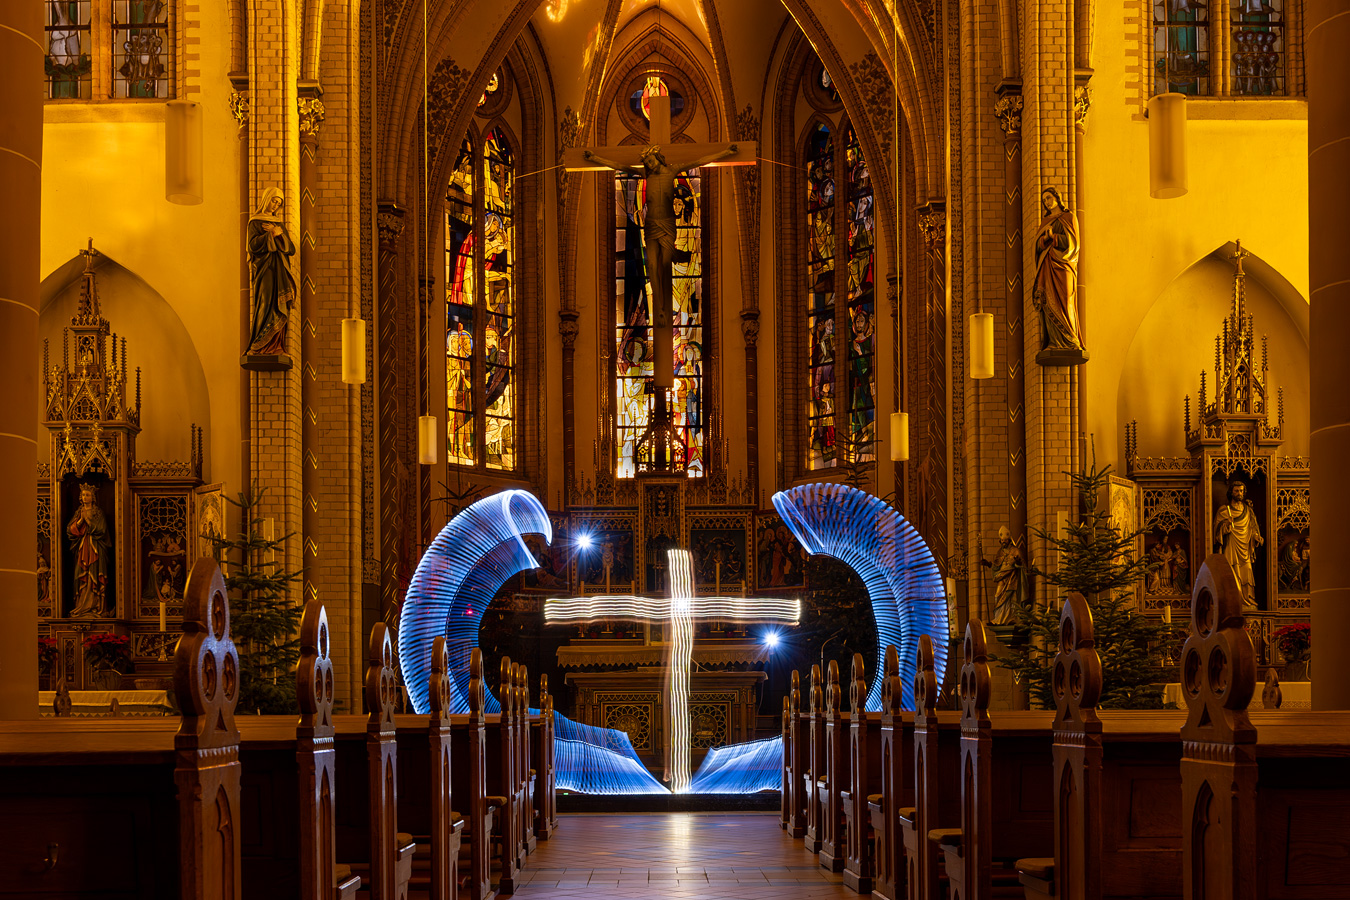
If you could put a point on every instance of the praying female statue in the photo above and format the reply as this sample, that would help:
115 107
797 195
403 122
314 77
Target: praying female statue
1055 291
88 532
269 252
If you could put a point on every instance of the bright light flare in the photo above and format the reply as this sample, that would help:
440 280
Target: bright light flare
771 639
585 541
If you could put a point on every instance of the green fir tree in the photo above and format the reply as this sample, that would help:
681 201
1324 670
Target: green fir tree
1099 563
264 623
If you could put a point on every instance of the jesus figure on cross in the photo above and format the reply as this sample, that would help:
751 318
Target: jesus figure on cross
678 611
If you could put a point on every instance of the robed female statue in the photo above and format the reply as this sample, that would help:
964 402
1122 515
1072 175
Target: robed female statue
269 252
1055 291
88 532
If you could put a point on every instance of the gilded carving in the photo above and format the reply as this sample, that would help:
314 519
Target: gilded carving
390 224
932 225
239 107
1009 112
1082 102
312 114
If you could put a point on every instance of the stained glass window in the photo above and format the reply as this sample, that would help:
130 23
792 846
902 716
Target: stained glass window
140 36
827 84
862 377
460 269
633 314
69 63
640 101
498 274
1181 47
1258 47
493 85
820 309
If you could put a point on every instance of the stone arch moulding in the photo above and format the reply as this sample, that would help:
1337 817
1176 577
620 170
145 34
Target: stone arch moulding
173 380
1162 362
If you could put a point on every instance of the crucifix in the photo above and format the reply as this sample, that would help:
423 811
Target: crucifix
678 611
659 163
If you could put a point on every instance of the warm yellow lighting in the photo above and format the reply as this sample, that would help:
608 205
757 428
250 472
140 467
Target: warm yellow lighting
427 440
899 436
354 351
982 345
1167 146
183 152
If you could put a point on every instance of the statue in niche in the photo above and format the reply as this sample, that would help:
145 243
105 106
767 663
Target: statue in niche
88 531
269 252
1294 564
1054 293
1008 571
1237 535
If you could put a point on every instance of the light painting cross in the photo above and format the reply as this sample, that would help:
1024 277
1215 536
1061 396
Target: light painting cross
679 611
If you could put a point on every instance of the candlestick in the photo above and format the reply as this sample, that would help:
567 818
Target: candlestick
163 610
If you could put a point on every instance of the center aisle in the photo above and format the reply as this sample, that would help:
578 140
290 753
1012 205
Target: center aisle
739 856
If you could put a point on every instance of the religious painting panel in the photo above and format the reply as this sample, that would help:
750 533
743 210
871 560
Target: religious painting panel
780 561
45 588
1239 506
1167 546
709 720
633 714
162 522
210 519
88 552
720 545
820 312
553 576
460 282
1292 551
862 379
607 557
499 279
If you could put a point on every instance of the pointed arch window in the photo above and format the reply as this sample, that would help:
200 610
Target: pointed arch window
480 315
840 303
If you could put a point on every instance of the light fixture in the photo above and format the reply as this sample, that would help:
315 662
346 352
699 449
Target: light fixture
981 345
183 152
1167 146
354 351
427 440
899 436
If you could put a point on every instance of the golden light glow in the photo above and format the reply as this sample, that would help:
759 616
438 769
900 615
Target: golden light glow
899 436
1167 146
981 345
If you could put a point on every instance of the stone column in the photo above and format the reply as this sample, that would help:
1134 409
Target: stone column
239 106
750 331
311 117
21 61
1008 108
1326 36
932 445
568 328
388 409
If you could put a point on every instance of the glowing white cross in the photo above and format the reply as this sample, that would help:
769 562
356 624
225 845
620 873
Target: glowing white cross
679 610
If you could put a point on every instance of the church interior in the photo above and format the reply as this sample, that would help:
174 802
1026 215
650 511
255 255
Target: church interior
643 448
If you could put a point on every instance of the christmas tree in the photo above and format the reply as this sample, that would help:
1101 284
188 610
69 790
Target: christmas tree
264 623
1098 562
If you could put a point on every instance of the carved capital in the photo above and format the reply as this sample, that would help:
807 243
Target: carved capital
389 222
312 114
933 225
568 327
239 107
1009 112
750 326
1082 102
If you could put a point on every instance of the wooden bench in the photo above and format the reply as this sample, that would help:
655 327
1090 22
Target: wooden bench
504 789
864 767
468 735
934 782
896 784
796 761
815 771
541 749
830 788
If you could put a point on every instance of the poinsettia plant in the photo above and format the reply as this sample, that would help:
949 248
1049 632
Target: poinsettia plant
46 655
1294 641
108 651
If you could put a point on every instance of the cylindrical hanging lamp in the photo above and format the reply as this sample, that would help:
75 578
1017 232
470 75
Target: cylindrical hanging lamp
427 440
899 436
354 351
1167 146
183 152
981 345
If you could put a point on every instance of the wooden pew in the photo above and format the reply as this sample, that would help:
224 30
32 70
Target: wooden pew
503 783
921 857
864 749
469 782
1264 794
425 791
541 749
527 771
796 761
815 772
367 814
1116 775
836 780
896 784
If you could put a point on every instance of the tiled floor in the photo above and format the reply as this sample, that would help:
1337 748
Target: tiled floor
743 856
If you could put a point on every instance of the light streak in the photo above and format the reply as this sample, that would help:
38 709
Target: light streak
578 610
902 578
746 768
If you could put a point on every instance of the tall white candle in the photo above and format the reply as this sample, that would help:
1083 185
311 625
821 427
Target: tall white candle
163 610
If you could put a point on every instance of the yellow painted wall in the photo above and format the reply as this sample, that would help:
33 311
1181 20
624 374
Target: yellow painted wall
103 177
1248 181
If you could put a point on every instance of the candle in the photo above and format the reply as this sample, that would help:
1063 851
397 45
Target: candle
163 609
1167 615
